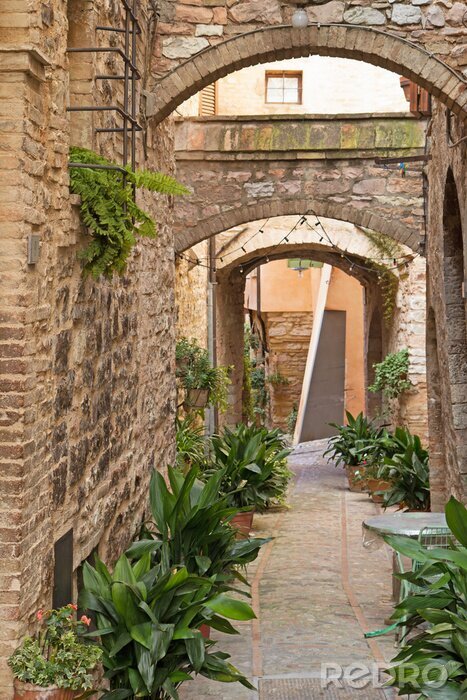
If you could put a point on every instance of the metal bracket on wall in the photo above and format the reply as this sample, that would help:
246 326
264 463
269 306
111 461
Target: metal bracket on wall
130 126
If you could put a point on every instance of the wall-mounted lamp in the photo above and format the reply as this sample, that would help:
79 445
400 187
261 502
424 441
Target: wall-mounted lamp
299 18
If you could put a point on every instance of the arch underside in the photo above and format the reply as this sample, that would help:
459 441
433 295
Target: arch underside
274 207
353 265
283 42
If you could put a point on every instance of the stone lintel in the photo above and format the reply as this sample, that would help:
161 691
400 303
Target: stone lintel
24 59
341 154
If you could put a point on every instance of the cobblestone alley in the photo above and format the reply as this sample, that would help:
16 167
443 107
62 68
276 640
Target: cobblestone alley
316 590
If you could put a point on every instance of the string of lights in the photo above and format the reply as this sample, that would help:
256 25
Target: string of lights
322 234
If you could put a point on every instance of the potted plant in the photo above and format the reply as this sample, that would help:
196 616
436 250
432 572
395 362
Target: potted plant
190 524
55 664
432 662
148 617
407 469
254 468
202 383
377 482
352 446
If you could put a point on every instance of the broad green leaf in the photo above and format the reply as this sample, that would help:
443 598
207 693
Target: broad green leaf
230 608
456 517
137 549
203 563
122 640
195 647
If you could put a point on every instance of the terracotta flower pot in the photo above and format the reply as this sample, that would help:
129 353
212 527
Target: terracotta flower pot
27 691
354 483
243 522
377 485
197 398
205 631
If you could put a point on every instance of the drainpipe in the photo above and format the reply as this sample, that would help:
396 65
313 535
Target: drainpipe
213 413
259 317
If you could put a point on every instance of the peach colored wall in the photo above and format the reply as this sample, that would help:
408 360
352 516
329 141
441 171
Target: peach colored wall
330 86
346 294
283 290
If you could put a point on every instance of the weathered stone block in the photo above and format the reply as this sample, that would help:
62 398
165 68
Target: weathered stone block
405 14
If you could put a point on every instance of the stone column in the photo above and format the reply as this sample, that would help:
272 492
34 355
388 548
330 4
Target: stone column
230 322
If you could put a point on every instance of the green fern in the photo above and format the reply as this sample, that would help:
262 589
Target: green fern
110 213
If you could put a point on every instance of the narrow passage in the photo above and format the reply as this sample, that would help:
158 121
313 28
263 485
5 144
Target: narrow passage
315 591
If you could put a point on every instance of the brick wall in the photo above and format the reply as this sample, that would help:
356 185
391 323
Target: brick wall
86 367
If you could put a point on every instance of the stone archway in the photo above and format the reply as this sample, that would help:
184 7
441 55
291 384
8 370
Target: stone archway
278 206
238 253
190 65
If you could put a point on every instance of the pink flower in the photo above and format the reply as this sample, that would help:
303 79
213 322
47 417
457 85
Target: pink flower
40 614
72 605
85 620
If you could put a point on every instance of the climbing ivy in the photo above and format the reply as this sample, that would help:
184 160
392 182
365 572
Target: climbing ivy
388 282
109 211
391 374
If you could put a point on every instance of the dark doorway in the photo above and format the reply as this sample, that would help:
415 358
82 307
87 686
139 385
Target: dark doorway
327 389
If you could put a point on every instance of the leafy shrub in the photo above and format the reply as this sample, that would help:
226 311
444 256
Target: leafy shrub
433 661
148 618
195 371
278 379
391 374
190 527
190 442
406 465
109 211
260 391
56 656
353 442
253 461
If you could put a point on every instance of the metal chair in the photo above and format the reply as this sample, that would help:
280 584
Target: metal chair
429 538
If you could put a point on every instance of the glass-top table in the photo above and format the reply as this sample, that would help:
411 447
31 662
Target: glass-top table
406 524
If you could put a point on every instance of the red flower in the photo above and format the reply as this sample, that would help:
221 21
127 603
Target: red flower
85 620
40 614
72 605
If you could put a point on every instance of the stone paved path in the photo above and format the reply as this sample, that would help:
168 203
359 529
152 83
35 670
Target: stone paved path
315 591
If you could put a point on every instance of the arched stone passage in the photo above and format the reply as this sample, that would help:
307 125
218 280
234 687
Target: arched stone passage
279 206
282 42
455 310
233 263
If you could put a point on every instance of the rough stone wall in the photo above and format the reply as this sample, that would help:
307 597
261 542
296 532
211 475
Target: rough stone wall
408 330
86 367
288 337
447 363
245 169
191 282
201 43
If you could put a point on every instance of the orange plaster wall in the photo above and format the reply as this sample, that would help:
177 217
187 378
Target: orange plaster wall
346 294
282 289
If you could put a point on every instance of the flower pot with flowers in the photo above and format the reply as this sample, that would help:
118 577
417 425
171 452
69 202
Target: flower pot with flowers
55 664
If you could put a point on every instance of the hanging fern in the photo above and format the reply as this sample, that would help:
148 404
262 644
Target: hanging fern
110 212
